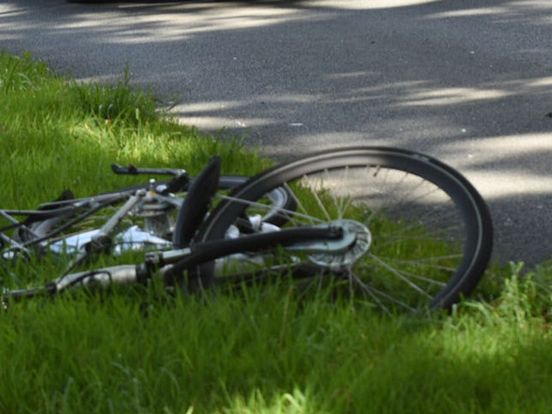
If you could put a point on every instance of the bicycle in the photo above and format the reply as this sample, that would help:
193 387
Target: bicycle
399 227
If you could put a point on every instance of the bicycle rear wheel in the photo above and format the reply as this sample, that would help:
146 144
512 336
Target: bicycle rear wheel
424 234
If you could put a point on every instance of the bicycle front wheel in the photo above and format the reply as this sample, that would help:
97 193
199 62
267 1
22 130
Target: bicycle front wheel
423 233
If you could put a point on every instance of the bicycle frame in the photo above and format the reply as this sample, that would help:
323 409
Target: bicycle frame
162 192
76 211
172 263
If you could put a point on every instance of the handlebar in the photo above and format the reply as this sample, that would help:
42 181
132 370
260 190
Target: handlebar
122 274
133 170
177 183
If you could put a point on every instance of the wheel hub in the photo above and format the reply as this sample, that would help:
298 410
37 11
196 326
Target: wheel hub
338 261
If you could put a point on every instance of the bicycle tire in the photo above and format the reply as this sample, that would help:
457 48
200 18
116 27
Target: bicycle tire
404 245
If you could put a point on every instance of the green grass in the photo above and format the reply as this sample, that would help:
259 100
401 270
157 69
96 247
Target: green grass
266 351
57 134
269 350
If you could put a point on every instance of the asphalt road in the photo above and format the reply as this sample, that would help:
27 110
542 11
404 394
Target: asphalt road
467 81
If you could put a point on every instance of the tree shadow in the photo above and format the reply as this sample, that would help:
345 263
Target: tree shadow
467 83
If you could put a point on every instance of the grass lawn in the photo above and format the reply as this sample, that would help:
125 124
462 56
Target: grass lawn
266 350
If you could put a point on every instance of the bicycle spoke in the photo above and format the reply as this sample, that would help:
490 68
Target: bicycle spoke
268 207
327 190
444 218
318 201
400 275
355 280
373 291
298 202
436 283
431 237
425 262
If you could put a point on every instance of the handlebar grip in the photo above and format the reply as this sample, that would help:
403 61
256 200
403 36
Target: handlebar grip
124 274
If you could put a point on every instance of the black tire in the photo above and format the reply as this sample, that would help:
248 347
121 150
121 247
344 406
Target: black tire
280 198
415 260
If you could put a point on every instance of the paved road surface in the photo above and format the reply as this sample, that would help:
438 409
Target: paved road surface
467 81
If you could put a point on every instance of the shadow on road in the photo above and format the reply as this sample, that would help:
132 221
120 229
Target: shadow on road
466 81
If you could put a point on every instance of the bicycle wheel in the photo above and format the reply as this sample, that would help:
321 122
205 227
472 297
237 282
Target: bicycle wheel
423 233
